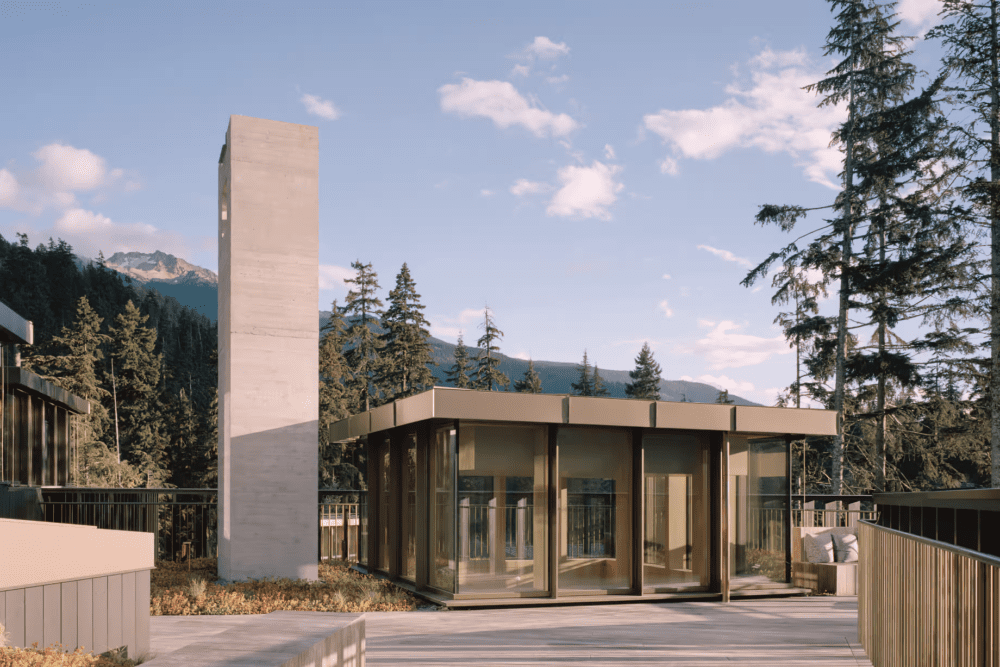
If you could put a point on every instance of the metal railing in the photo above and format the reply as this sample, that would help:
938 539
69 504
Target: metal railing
477 530
185 521
924 602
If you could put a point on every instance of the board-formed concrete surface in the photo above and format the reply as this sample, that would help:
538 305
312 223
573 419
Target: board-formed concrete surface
816 631
268 350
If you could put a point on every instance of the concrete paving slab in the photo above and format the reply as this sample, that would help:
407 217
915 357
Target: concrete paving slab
814 631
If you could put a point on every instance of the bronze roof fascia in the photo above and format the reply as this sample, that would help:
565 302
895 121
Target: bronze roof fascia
19 378
452 403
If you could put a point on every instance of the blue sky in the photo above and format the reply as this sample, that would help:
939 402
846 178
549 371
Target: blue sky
590 170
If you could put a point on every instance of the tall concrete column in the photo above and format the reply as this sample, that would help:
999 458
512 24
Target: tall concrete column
268 350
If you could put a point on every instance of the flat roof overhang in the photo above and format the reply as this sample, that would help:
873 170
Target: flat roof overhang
451 403
19 378
14 328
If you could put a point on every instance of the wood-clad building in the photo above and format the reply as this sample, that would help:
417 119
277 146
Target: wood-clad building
491 498
36 444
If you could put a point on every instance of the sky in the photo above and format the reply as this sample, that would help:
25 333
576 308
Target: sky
588 170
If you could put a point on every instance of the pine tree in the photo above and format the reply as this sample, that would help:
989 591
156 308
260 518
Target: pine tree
488 374
971 37
646 376
723 398
584 386
458 374
887 143
530 383
407 353
364 346
72 363
334 401
137 379
599 388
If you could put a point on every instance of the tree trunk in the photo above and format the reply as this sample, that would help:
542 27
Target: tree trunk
880 395
995 250
837 474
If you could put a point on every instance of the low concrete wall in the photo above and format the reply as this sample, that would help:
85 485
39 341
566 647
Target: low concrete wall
75 586
279 639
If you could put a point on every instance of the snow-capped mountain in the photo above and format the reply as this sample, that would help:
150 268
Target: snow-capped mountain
161 268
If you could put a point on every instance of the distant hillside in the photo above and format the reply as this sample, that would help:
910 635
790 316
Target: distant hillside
557 377
198 288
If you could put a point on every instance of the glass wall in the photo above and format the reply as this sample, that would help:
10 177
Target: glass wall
502 508
757 508
676 512
595 511
442 508
408 538
382 453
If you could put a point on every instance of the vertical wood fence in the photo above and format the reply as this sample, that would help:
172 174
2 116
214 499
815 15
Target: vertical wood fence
927 603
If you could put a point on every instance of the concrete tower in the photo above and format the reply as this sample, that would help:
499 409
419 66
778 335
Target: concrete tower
268 350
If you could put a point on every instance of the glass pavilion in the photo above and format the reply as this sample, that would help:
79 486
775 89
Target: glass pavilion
499 498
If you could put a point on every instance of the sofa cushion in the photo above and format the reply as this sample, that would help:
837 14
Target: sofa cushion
819 548
846 547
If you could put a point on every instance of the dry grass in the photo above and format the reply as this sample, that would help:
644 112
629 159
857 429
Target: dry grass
174 591
56 656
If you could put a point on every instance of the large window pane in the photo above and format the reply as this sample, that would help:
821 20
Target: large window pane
385 490
409 520
758 504
502 507
595 468
442 505
675 517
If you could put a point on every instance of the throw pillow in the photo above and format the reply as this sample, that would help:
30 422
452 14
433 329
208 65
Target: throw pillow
847 548
819 548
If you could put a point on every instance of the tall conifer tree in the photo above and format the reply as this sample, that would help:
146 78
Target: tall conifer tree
407 353
584 386
600 389
459 374
530 383
488 374
646 376
364 345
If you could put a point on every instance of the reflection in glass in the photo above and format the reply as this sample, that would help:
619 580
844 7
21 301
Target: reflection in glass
675 517
409 523
595 509
757 486
442 509
385 498
502 479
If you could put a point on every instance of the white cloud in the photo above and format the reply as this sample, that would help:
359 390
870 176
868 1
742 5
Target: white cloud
723 382
685 291
586 191
523 187
543 47
500 102
62 171
665 307
554 80
332 277
486 193
521 355
521 70
448 328
723 349
728 256
666 276
918 13
609 152
772 113
320 107
67 168
668 165
89 232
9 189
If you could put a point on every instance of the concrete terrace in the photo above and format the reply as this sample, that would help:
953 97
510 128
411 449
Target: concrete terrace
814 631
